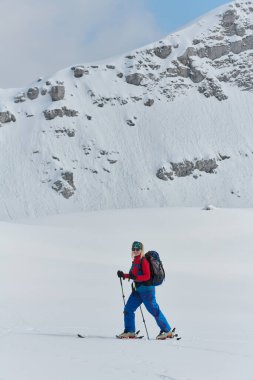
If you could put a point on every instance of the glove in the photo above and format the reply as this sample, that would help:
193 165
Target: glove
120 274
132 276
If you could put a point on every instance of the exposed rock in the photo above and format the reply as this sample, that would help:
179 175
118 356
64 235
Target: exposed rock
65 186
163 51
57 92
33 93
209 208
186 168
20 98
111 67
207 166
6 117
65 131
224 157
48 83
135 79
182 169
120 75
183 71
63 111
229 18
130 123
239 30
210 87
237 46
149 102
217 51
43 91
68 177
184 59
163 174
196 75
248 41
79 71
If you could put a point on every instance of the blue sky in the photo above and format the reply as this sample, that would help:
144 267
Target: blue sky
42 37
171 14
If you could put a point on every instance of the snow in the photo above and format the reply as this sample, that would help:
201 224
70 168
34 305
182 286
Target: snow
58 278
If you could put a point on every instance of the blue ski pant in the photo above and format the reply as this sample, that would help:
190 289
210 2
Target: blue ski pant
149 300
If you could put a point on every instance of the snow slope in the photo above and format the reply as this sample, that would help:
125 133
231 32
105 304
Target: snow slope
169 124
58 277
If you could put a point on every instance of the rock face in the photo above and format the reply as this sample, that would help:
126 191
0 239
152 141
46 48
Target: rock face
65 186
79 71
59 112
149 102
135 79
20 98
163 51
33 93
57 92
186 168
7 117
211 87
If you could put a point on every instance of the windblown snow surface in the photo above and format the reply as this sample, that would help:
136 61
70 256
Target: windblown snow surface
58 278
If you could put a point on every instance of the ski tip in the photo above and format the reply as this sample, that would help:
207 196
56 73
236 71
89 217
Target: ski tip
80 336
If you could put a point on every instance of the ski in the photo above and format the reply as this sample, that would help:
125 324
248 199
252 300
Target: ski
134 337
174 335
80 336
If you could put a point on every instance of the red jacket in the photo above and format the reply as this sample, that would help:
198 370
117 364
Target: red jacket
145 269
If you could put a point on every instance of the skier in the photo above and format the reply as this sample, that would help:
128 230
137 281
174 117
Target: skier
143 292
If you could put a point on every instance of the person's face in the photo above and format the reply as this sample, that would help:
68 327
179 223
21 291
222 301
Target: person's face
136 252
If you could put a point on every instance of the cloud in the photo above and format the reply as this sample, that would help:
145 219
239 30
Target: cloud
39 38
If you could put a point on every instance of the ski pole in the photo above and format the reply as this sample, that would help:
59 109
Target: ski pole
144 322
123 295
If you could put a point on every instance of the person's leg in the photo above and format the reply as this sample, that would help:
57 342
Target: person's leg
151 305
134 301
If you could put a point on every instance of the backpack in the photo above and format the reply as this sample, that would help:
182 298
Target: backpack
156 268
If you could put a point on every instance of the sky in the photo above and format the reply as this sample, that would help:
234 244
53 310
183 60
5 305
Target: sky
39 38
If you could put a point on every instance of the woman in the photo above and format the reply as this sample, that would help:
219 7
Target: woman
144 292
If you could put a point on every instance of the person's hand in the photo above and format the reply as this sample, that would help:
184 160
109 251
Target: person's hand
132 276
120 274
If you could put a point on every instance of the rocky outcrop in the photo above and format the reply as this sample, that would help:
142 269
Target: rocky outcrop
79 71
211 87
186 168
33 93
149 102
57 92
7 117
165 175
65 186
20 98
59 112
135 79
163 51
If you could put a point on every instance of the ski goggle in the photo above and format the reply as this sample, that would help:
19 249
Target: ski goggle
135 249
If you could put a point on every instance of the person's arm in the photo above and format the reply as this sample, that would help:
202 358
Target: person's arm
145 270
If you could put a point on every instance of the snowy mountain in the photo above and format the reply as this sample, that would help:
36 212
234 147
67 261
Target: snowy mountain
167 124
